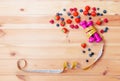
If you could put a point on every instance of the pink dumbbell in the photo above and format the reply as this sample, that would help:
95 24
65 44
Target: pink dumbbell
94 36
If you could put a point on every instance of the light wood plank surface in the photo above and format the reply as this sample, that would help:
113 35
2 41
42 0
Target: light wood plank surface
27 34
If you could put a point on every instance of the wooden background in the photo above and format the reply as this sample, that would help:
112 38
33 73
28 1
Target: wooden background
28 35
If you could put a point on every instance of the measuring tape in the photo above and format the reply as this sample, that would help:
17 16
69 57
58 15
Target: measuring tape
23 68
65 65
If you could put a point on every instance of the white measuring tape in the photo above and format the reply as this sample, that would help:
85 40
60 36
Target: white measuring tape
36 71
52 70
57 70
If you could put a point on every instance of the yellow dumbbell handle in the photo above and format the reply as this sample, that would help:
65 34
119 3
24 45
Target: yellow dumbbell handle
90 31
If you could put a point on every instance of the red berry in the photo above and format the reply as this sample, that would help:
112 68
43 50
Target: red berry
57 17
75 9
106 20
83 45
77 20
93 13
65 30
71 9
75 13
51 21
72 26
69 21
87 8
85 12
76 27
99 22
102 31
94 9
62 23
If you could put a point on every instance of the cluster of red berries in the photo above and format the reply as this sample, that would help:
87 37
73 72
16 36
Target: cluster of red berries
74 18
87 11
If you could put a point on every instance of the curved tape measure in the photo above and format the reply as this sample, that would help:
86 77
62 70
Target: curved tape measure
23 68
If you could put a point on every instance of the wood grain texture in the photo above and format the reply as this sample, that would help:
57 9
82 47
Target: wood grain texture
25 32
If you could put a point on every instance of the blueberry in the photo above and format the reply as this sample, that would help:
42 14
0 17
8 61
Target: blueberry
90 18
78 16
92 53
98 14
81 10
71 17
84 51
64 9
62 19
104 11
87 60
89 14
106 29
57 14
60 14
68 13
57 25
98 8
101 14
89 49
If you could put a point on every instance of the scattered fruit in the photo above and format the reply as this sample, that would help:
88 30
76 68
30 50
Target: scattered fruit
99 22
87 8
51 21
83 45
77 20
69 21
57 17
65 30
76 26
85 12
75 13
93 13
62 23
106 20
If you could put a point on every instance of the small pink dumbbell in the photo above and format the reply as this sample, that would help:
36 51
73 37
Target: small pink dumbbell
91 31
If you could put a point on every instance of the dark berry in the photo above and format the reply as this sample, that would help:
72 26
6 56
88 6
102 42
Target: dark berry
89 49
98 8
57 25
64 9
89 14
106 29
101 14
81 10
92 53
87 60
71 17
98 14
84 51
90 18
68 13
62 19
57 14
78 16
104 11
